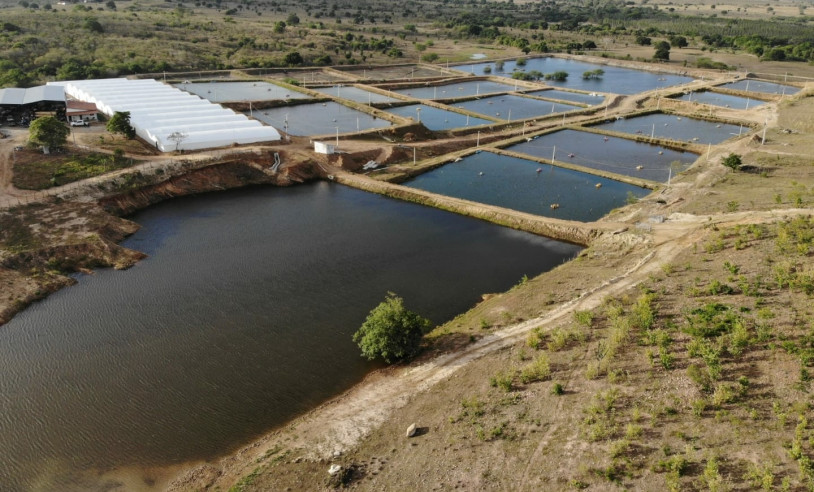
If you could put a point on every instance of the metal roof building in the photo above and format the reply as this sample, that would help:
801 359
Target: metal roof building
158 110
33 95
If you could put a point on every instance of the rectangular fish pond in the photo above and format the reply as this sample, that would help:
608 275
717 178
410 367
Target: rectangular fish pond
615 80
761 86
355 94
527 186
458 89
318 119
675 127
609 154
722 100
591 99
218 92
511 107
437 119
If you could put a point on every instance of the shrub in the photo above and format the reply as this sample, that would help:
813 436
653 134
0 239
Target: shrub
503 380
732 161
538 370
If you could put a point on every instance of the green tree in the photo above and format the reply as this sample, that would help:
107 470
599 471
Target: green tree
558 76
279 27
732 161
293 58
120 123
391 331
662 51
678 41
48 132
643 40
292 19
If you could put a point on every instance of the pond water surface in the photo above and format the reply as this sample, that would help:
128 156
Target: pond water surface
612 154
577 97
356 94
437 119
318 119
218 92
761 86
240 318
511 107
616 80
527 186
675 127
722 100
458 89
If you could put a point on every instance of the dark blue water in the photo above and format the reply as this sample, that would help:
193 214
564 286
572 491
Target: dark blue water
516 183
616 155
675 127
319 119
722 100
616 80
511 107
437 119
762 86
240 318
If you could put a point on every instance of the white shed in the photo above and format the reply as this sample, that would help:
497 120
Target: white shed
324 148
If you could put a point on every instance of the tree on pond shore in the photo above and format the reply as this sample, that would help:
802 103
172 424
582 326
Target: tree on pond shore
391 332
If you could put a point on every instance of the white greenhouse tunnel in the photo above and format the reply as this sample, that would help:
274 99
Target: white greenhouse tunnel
158 110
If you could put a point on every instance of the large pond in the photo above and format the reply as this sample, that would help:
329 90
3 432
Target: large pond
459 89
527 186
318 119
511 107
616 155
240 318
616 80
675 127
762 86
356 94
722 100
437 119
577 97
218 92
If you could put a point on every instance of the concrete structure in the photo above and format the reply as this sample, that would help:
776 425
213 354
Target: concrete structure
159 111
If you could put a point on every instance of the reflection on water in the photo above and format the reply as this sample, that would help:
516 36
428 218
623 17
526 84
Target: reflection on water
240 318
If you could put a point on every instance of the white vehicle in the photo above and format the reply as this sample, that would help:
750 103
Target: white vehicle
79 123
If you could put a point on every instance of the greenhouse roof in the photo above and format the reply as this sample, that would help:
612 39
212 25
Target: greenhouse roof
158 110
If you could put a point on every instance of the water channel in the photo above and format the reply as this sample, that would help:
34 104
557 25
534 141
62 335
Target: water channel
240 318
